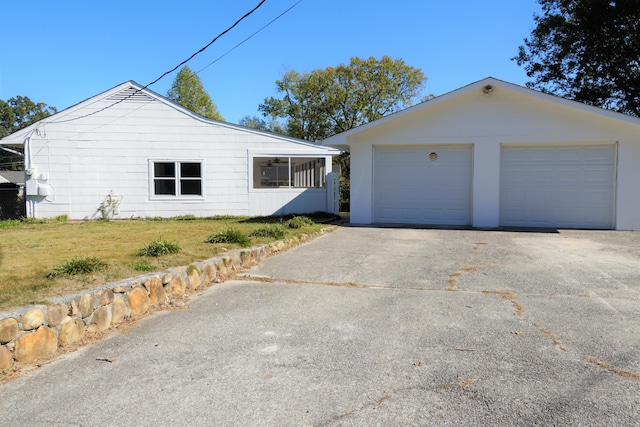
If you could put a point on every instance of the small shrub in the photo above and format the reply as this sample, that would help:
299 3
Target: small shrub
273 231
143 266
159 247
109 207
230 235
299 222
62 218
76 266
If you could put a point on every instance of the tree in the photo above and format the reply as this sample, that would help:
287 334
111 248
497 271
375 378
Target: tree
17 113
188 91
324 102
256 122
588 51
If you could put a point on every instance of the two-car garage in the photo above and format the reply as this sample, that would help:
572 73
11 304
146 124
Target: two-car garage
493 154
540 186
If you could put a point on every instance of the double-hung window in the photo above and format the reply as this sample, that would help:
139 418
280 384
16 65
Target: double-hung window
176 178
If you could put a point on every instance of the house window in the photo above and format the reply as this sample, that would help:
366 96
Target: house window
289 172
178 178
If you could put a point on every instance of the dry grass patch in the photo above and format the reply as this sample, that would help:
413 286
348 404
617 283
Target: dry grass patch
28 251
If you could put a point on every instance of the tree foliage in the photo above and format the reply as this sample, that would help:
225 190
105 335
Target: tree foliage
586 50
256 122
17 113
187 90
324 102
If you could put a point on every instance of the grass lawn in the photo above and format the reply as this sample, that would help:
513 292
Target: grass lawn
29 251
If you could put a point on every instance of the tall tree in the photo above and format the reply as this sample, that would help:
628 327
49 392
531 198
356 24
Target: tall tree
321 103
586 50
17 113
188 91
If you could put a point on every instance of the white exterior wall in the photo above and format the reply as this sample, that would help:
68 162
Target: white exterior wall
487 122
109 152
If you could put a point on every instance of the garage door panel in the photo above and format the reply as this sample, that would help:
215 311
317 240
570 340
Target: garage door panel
410 186
574 188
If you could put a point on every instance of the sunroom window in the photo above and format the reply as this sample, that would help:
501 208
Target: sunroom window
289 172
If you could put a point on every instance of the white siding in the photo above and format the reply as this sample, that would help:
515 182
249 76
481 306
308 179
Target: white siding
109 152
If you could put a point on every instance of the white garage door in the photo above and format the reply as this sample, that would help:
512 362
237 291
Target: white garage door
563 187
422 185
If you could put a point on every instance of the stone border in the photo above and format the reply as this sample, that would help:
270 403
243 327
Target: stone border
38 331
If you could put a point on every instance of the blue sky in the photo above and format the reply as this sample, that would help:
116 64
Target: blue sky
64 52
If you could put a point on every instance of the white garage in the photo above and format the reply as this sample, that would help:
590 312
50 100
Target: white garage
423 185
494 154
558 186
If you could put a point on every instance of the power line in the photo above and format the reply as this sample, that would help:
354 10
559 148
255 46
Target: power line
248 38
167 72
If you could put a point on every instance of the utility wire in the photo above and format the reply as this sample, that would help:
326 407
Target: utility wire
248 38
167 72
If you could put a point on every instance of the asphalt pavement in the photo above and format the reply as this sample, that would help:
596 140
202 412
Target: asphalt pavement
375 326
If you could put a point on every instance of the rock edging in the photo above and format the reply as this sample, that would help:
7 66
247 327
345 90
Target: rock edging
38 331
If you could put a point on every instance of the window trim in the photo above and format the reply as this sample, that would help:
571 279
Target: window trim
177 162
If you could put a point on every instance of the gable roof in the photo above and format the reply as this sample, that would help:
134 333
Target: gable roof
131 90
489 84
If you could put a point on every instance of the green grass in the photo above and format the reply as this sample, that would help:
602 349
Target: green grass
31 249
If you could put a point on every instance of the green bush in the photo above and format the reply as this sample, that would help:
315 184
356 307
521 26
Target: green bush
230 235
76 266
274 231
299 222
159 247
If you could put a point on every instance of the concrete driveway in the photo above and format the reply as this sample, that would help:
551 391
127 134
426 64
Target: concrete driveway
367 326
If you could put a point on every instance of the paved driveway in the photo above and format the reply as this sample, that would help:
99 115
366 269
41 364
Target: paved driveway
370 326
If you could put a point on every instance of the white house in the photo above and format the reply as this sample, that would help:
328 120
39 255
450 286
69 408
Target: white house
158 159
496 154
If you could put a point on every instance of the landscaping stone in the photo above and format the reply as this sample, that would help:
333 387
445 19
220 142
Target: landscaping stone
121 289
35 345
6 358
119 311
102 318
72 331
86 305
32 319
210 274
176 287
106 298
157 294
138 301
8 330
74 308
56 313
193 278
